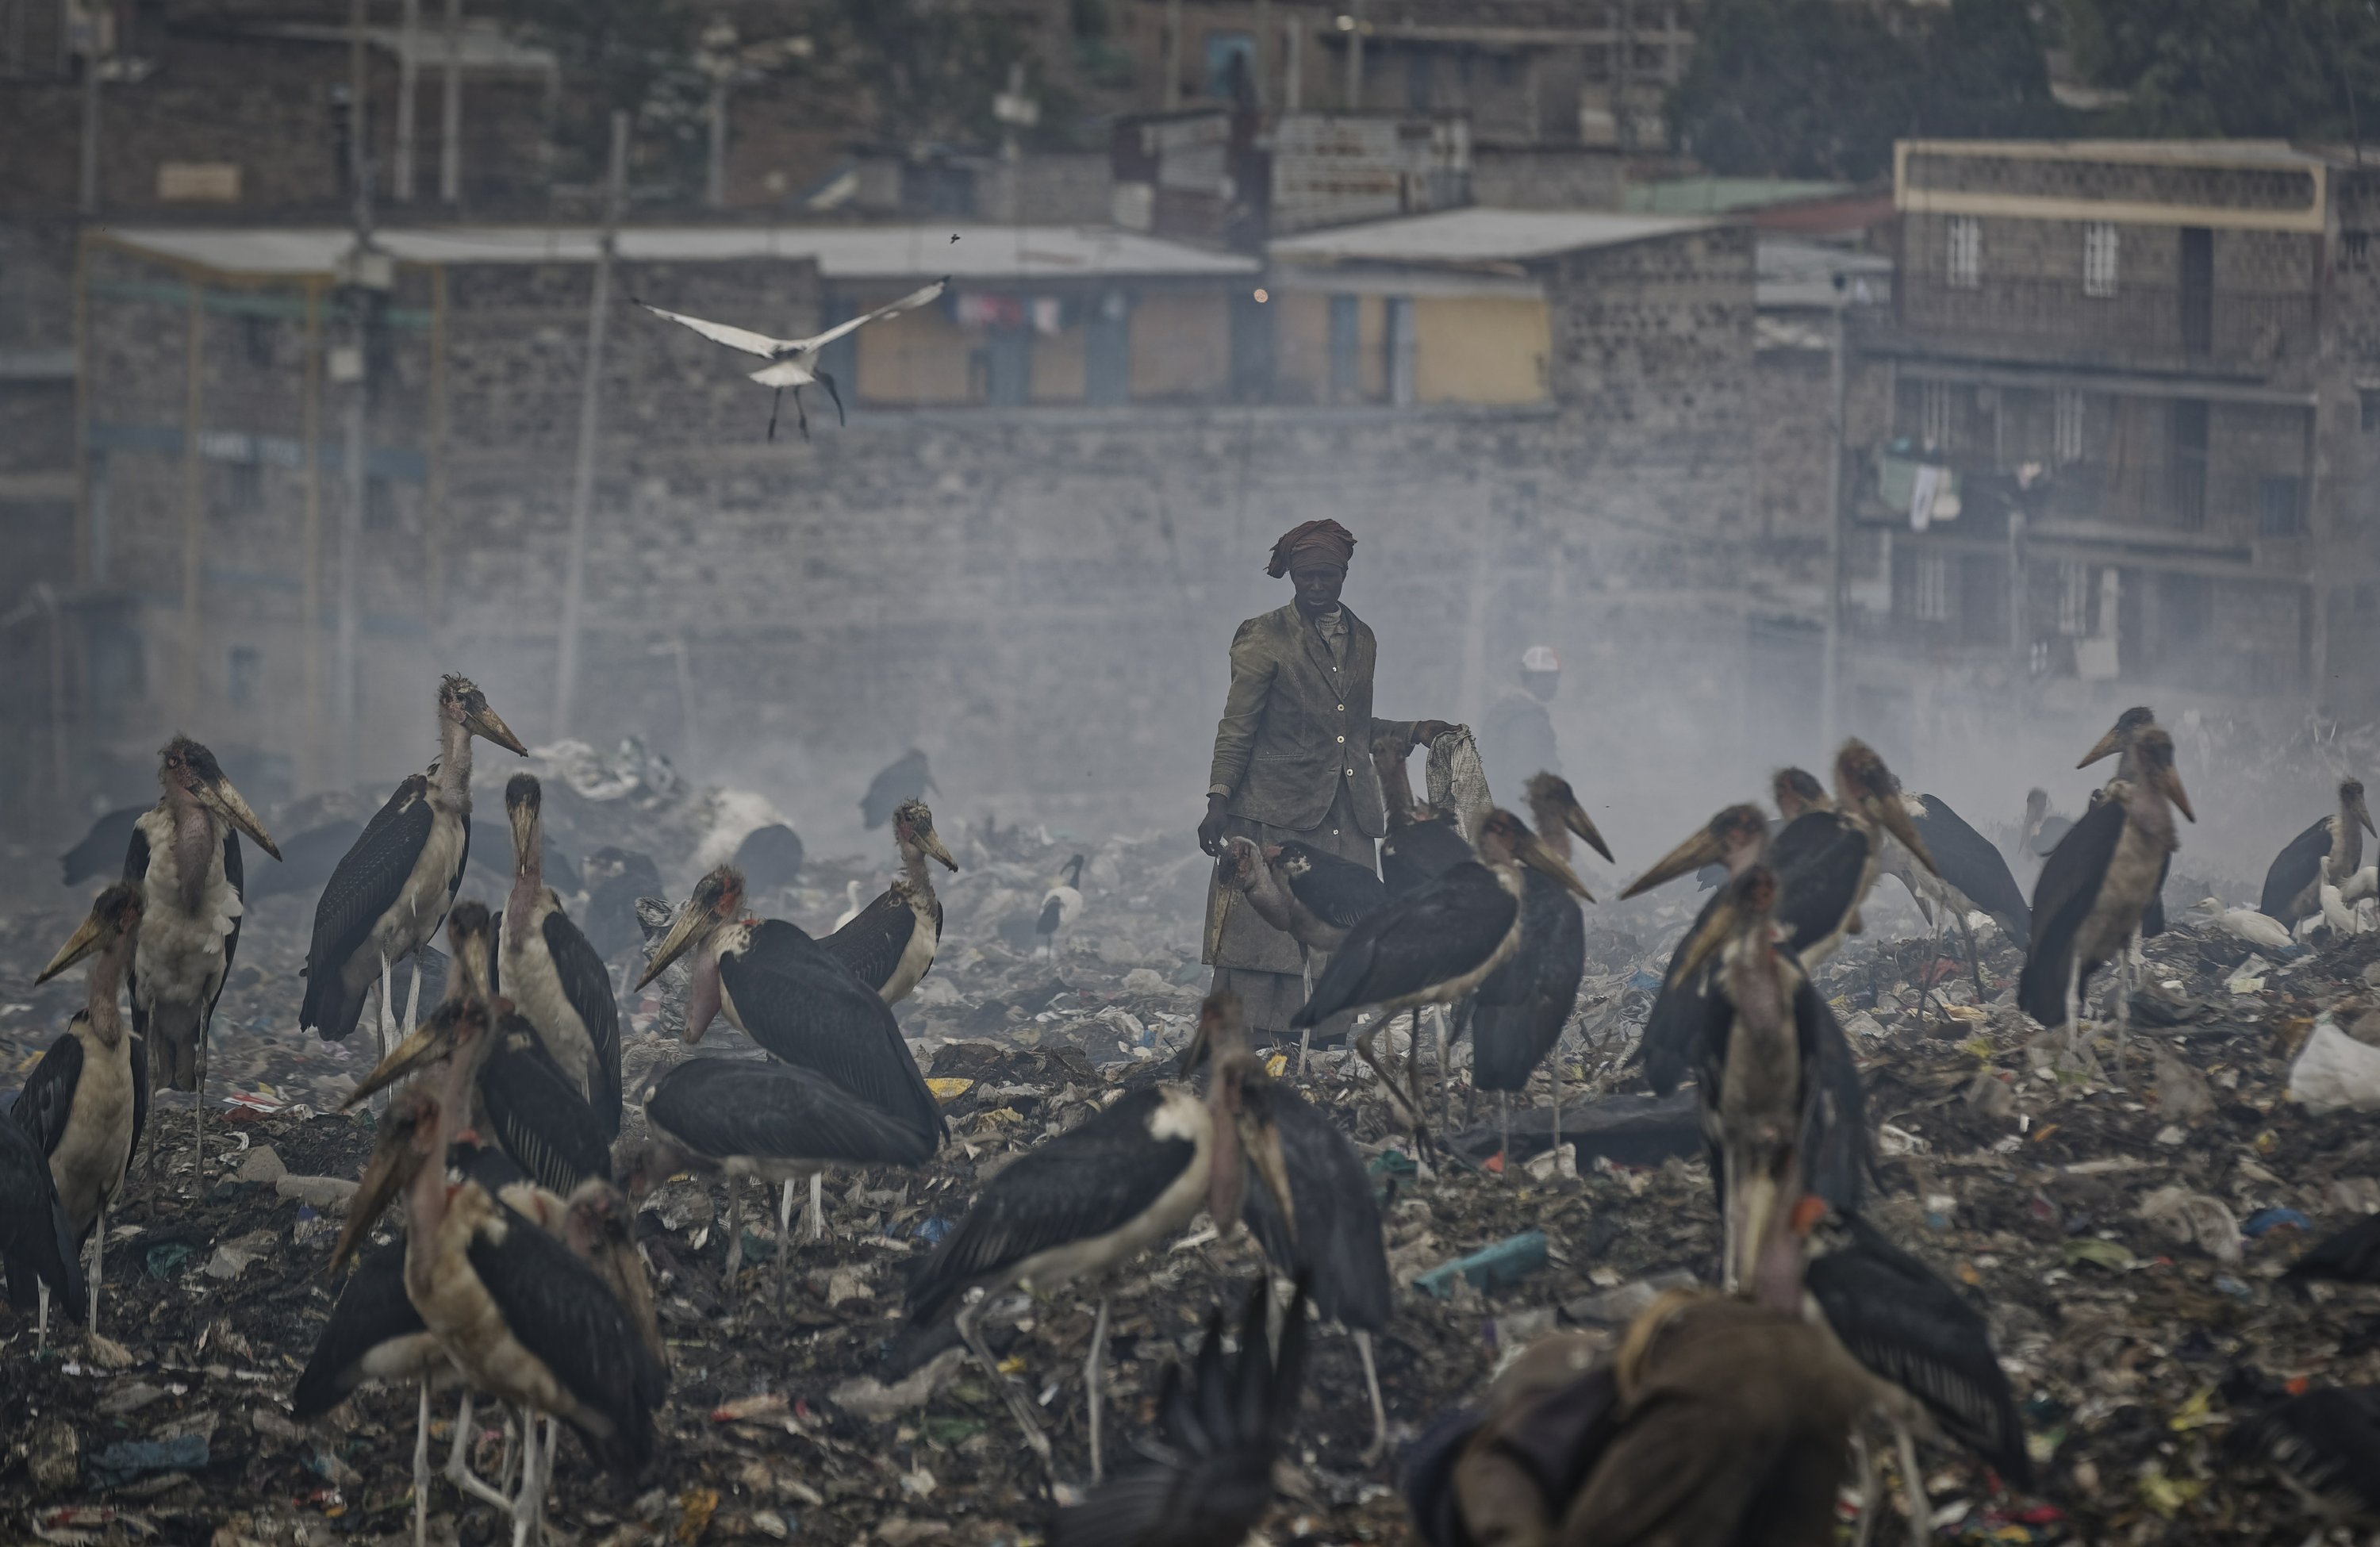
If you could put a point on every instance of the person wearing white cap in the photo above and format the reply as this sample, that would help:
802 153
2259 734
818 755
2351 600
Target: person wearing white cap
1516 738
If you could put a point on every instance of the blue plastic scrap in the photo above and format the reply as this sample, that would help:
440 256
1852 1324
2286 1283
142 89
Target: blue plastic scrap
127 1459
2264 1220
1508 1262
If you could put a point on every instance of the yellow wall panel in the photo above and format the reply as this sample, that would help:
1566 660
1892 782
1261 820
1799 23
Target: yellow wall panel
1480 349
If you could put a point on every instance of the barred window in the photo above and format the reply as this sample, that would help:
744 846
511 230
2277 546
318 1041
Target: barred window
2073 598
1934 415
1966 252
1930 588
2099 259
2065 424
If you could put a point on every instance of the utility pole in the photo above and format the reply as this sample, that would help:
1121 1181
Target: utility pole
1171 53
590 403
1830 666
88 188
714 166
450 115
409 84
1353 22
357 368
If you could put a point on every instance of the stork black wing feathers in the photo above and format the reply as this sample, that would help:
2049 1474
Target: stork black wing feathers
586 983
735 1107
1835 1132
1425 937
2294 869
560 1310
2062 898
1518 1013
135 855
872 942
36 1244
809 1009
372 1309
2325 1443
1339 1245
1667 1047
1820 860
1974 864
44 1104
367 882
1339 891
539 1118
2353 1256
1085 1183
1903 1322
1419 852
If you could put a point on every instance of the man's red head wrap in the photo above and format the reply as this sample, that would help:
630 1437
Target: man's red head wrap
1325 541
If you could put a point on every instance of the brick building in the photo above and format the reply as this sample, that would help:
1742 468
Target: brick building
2113 433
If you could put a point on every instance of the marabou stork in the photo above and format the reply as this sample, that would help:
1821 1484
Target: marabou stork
520 1314
2097 885
1519 1012
1337 1251
550 972
890 944
1060 905
184 855
2324 1443
1097 1196
388 895
906 777
1928 1350
778 987
307 860
2038 832
1436 943
2327 853
85 1103
1735 839
37 1242
1719 1422
2119 743
1422 843
1242 868
1826 855
102 848
1969 876
511 1084
1325 892
793 363
1781 1098
746 1117
1210 1480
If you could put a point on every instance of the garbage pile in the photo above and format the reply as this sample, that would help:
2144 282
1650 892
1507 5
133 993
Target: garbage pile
2122 1228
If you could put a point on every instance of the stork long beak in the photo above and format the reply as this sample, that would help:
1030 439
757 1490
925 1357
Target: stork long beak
683 932
1260 1142
1893 813
486 721
218 797
1752 1206
1700 850
1538 857
86 939
429 1042
2169 781
2362 814
1574 817
524 821
2105 747
1705 941
931 843
391 1170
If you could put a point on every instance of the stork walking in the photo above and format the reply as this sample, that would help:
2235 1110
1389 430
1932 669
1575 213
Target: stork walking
551 973
85 1103
388 896
890 944
793 362
1099 1194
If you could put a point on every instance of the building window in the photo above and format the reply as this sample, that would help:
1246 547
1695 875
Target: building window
2099 259
1231 64
245 672
2279 512
1966 252
1934 415
2065 424
1930 588
2073 598
2355 252
2186 463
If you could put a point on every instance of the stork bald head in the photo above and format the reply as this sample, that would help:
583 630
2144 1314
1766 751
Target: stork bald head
1553 804
1504 839
2127 729
1729 838
1865 787
717 899
460 700
913 828
2351 800
2152 749
110 930
189 775
1795 790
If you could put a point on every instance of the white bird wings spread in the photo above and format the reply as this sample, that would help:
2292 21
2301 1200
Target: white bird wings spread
735 339
909 302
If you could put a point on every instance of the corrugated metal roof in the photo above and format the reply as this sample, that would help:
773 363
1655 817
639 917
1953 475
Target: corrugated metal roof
1792 274
1004 253
1476 236
1722 195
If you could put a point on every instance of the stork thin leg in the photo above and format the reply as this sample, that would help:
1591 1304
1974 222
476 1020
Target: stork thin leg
1364 1040
387 1004
1372 1387
785 1239
1912 1488
1094 1373
2123 1009
1505 1129
1871 1486
1304 1046
527 1504
421 1467
98 1246
1443 1019
198 1112
1413 1081
1020 1405
1975 958
1553 1082
735 1238
817 1205
413 999
2074 1003
41 1316
459 1463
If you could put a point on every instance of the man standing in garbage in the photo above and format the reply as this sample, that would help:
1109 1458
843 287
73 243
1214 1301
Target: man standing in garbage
1516 736
1292 758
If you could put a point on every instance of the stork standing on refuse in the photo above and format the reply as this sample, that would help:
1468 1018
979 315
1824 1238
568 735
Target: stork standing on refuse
184 855
550 972
388 896
2326 855
890 944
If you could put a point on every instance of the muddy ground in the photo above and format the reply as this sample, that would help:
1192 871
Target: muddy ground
830 1421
